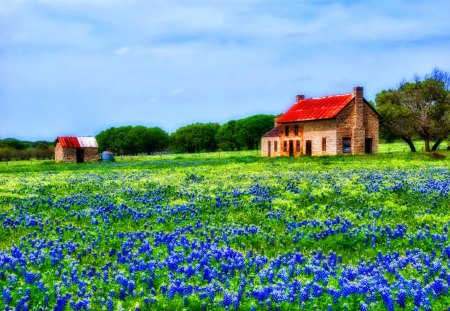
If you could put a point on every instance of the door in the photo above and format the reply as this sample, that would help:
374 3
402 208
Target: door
308 150
268 147
291 148
80 155
368 145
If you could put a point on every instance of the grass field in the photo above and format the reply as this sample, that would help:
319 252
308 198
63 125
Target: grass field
227 231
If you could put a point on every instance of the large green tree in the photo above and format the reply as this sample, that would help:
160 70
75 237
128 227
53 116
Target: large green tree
133 140
228 136
195 137
251 129
418 108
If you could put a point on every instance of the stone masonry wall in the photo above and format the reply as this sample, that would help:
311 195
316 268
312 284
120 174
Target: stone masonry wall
358 131
91 154
265 146
59 153
70 154
315 131
345 128
65 154
284 140
371 126
344 125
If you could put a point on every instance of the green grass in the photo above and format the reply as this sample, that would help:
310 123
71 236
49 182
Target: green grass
93 211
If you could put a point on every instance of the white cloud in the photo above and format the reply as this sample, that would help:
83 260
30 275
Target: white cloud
124 50
226 59
176 92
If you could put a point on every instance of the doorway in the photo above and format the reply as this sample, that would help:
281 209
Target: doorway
269 147
291 148
368 145
80 155
308 150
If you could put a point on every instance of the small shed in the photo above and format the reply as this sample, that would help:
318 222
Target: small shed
76 149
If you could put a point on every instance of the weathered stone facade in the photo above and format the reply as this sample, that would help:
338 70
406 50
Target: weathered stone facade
354 130
86 154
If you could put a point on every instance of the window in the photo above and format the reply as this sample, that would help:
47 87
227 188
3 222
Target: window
286 130
275 146
285 146
324 144
297 145
296 130
346 145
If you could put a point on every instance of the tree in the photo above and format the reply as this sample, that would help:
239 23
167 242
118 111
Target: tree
155 139
132 140
195 138
251 129
421 108
228 136
396 119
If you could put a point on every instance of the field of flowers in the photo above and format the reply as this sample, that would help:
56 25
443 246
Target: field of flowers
228 233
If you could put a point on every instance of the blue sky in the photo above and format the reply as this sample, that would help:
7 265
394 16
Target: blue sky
76 67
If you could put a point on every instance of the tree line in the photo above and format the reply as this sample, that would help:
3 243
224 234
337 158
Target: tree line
242 134
416 109
14 149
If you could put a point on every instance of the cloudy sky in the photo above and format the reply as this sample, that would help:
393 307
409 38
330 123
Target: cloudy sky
76 67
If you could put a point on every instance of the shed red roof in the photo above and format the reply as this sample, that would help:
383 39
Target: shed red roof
316 108
77 142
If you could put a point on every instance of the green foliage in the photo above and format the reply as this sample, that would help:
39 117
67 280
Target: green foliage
244 133
251 129
132 140
195 137
13 149
418 108
101 217
228 136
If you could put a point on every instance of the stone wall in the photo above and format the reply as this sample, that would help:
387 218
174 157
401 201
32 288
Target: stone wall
345 128
315 131
59 153
65 154
292 136
70 154
90 154
358 131
371 126
274 152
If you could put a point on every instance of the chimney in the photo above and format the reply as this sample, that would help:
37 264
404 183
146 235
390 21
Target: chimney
358 134
299 97
358 91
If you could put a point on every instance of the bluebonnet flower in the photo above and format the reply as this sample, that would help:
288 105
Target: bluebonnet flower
363 306
6 294
227 299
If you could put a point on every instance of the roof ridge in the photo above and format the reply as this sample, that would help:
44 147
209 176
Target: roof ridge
322 97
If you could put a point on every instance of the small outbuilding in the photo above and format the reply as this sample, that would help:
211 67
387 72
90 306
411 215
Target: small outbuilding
76 149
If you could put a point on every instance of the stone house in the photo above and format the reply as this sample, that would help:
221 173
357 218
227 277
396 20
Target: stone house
331 125
76 149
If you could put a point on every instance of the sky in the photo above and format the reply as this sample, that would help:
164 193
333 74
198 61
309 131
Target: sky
77 67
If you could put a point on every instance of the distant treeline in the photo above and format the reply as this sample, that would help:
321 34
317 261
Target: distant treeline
243 134
14 149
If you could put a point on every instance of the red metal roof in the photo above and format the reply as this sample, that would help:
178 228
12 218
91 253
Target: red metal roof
77 142
316 108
